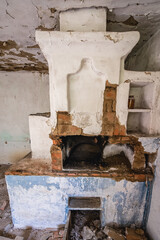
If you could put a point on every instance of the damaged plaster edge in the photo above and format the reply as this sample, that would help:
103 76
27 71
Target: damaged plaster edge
141 76
65 5
150 144
131 37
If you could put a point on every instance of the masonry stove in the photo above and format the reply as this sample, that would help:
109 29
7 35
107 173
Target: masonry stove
92 157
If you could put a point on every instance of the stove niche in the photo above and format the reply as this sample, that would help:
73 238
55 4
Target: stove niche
94 153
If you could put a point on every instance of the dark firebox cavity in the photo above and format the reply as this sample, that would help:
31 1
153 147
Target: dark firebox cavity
86 153
80 152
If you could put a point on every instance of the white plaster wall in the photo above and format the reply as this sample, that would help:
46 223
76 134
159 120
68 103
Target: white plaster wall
19 19
83 20
154 219
105 49
21 94
40 128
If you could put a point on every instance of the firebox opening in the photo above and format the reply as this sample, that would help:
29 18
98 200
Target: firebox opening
81 219
81 152
95 154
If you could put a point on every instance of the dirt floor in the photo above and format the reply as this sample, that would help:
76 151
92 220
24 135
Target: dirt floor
6 226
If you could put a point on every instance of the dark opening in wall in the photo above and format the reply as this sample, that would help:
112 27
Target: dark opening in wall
89 153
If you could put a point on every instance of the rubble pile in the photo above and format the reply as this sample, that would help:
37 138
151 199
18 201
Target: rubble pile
86 226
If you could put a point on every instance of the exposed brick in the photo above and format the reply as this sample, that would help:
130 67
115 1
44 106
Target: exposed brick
56 155
114 140
140 177
122 131
63 118
109 118
72 174
116 130
108 105
125 139
107 129
57 141
114 106
68 130
110 93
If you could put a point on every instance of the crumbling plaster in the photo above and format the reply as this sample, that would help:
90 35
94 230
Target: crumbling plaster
20 19
123 202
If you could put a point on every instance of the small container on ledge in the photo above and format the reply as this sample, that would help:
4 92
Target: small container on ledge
131 102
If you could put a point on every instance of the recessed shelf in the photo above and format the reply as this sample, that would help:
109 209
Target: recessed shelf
141 99
142 94
139 122
138 110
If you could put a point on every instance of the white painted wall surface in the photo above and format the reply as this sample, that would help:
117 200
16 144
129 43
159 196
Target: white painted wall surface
21 94
64 52
85 97
84 20
40 128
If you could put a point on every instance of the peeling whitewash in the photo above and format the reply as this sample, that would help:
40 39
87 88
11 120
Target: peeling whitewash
19 19
42 201
105 49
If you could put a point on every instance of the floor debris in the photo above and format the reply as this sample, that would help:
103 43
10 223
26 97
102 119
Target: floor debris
86 226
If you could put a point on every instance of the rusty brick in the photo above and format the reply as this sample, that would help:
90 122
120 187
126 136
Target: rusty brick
56 155
125 139
114 106
107 129
57 141
140 177
108 105
84 174
122 131
110 93
114 140
116 130
65 130
63 118
95 174
71 174
109 118
56 167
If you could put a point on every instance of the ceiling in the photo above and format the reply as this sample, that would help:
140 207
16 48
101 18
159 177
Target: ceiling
19 20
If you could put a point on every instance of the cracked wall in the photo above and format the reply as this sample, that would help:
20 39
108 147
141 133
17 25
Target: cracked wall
20 19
